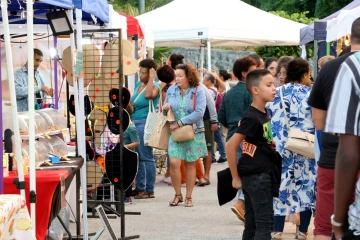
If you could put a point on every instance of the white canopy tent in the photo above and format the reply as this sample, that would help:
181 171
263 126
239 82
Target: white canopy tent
341 25
218 23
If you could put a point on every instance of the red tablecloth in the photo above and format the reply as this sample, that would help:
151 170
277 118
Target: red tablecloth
46 183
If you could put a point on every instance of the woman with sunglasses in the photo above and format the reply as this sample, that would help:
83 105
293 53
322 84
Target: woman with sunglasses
188 102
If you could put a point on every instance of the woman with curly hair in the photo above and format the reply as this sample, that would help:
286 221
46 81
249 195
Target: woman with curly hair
188 102
297 189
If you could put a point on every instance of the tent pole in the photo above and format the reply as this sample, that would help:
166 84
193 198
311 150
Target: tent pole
81 128
202 55
31 106
10 70
328 49
316 49
209 54
1 133
56 75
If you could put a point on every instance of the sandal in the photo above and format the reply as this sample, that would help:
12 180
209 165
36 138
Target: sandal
177 199
301 236
148 195
140 195
276 235
188 202
207 182
201 183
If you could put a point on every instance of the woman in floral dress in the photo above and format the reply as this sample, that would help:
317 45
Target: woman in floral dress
188 103
297 190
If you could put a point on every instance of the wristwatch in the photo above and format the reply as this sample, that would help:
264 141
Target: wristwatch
334 223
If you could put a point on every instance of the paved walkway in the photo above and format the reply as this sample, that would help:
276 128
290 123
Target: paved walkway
206 220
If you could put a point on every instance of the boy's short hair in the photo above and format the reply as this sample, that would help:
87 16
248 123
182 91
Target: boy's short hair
130 109
254 78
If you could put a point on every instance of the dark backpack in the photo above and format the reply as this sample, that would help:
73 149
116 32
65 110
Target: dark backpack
218 99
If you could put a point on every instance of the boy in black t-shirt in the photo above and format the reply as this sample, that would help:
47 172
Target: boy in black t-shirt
255 165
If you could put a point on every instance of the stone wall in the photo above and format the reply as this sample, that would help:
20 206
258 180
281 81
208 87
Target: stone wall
221 59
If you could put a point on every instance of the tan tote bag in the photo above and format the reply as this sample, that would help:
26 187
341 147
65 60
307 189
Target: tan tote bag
298 141
161 133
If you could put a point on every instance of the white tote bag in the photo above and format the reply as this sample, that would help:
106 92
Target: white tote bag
151 121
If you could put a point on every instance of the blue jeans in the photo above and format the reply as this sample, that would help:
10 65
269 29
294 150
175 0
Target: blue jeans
238 156
259 217
219 141
146 176
305 218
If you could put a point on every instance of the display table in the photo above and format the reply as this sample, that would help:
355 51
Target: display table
15 222
48 191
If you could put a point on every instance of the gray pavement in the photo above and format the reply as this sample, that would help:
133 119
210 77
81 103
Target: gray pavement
206 220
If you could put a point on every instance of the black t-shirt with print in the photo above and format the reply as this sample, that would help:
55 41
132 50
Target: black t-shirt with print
320 98
257 153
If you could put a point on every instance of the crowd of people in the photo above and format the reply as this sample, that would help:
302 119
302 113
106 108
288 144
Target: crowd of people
250 124
252 121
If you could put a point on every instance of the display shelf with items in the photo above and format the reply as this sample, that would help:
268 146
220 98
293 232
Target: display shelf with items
57 146
48 122
55 119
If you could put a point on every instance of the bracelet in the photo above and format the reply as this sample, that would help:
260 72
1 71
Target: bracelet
334 223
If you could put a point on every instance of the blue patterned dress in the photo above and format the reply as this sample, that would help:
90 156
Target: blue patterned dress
298 177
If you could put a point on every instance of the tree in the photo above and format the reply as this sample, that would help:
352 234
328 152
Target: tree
289 6
294 51
325 8
131 7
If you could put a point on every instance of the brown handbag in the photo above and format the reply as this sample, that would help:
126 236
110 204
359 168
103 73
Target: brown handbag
187 132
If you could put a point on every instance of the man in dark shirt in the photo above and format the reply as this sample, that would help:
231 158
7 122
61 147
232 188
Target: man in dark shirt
319 100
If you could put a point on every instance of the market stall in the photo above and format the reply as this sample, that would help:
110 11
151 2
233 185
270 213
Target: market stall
218 26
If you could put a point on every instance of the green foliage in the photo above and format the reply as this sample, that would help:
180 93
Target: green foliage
131 7
289 6
325 8
294 51
160 54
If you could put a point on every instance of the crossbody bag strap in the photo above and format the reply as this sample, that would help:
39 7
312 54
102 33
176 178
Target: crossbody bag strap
283 107
139 95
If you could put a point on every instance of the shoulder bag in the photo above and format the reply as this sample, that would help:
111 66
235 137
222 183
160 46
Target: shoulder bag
298 141
187 132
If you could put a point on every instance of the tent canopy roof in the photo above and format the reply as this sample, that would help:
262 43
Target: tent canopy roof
317 30
224 23
133 26
98 8
41 7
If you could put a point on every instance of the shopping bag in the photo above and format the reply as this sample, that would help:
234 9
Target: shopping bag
161 133
150 122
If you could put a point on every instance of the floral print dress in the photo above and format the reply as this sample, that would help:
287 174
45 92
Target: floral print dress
191 150
298 176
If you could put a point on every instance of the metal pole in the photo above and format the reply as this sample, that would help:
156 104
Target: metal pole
316 49
80 124
10 69
31 105
202 56
141 7
1 135
209 55
56 76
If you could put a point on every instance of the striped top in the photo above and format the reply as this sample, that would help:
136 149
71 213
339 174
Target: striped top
344 115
